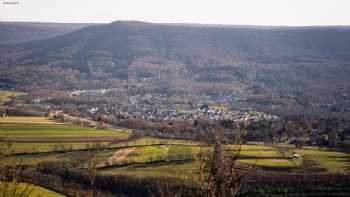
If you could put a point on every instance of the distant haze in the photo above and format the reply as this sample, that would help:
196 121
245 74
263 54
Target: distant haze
235 12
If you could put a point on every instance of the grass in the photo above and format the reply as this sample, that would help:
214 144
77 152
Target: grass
260 156
159 153
37 191
29 159
7 95
43 192
36 129
162 160
42 135
56 130
146 141
33 159
182 168
332 160
18 120
258 147
252 154
174 150
283 163
37 147
164 169
260 153
146 154
267 157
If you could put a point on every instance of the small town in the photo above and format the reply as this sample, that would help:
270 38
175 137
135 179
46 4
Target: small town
178 98
157 107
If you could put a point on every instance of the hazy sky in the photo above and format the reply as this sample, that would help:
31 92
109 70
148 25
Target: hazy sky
236 12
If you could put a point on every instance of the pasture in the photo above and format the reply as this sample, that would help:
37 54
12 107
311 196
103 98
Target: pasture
21 120
26 188
39 147
47 140
174 160
178 160
43 192
7 95
177 169
148 141
333 161
41 129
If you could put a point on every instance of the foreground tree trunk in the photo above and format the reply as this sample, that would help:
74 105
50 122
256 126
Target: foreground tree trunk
219 173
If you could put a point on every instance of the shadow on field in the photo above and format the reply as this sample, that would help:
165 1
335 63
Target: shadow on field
149 164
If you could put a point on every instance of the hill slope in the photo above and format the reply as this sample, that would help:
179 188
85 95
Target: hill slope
15 32
308 65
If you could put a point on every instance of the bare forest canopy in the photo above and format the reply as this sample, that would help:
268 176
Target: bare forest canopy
298 68
15 32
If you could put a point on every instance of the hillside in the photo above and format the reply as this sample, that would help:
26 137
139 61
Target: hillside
15 32
304 66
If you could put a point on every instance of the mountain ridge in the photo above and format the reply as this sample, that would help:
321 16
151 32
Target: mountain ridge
280 60
16 32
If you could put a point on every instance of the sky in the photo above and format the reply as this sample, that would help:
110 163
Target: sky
232 12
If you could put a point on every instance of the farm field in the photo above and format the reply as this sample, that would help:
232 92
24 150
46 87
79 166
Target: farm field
37 191
162 160
38 147
41 129
155 141
177 160
146 156
40 191
34 159
20 120
7 95
336 162
178 169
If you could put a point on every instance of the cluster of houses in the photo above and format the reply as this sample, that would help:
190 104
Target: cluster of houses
158 106
90 92
156 112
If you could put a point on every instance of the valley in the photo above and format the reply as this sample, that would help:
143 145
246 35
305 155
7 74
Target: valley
133 108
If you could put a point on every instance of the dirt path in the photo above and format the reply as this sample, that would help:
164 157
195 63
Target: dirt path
118 156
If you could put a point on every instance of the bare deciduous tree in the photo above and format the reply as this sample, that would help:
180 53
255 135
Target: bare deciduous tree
10 186
219 174
89 161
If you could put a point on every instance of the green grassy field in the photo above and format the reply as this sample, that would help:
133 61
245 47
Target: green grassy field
164 169
56 130
147 158
171 160
41 129
265 156
255 154
7 95
20 120
37 147
34 159
36 191
144 156
332 160
145 141
43 192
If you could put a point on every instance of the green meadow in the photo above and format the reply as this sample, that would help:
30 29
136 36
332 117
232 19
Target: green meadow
7 95
146 156
32 190
41 129
38 147
333 161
